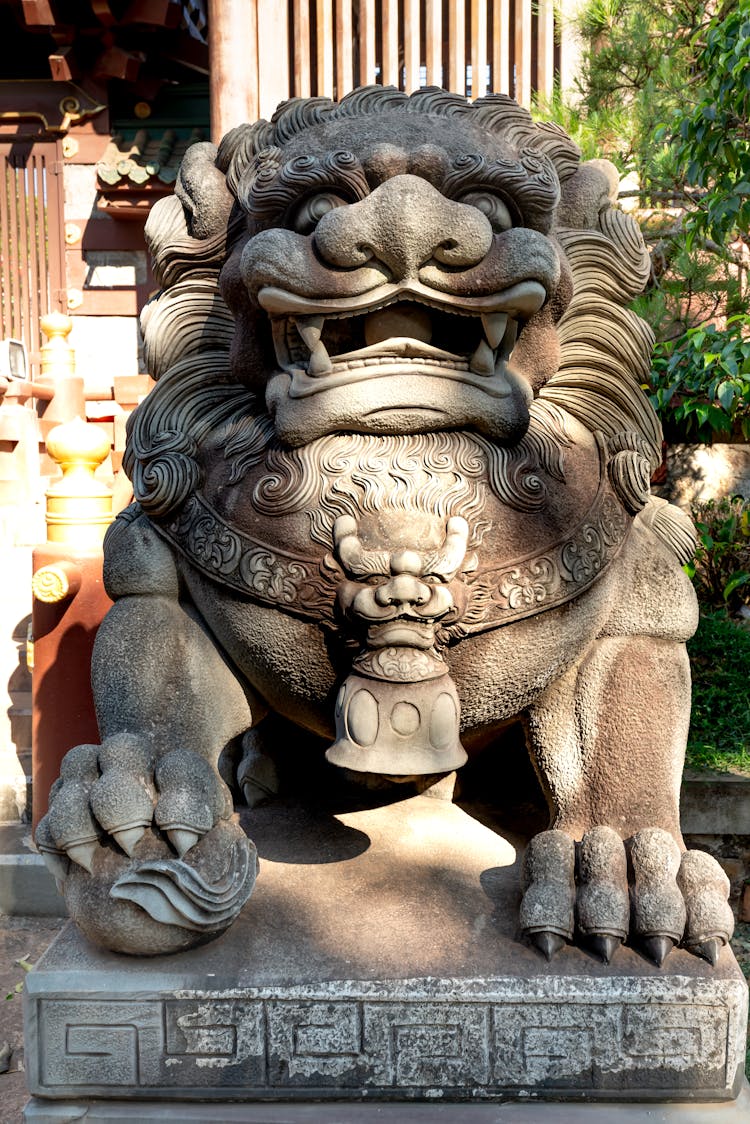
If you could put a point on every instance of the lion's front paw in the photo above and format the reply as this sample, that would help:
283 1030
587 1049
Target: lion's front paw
602 892
148 845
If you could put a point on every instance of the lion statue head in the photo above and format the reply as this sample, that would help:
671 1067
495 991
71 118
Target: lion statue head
389 265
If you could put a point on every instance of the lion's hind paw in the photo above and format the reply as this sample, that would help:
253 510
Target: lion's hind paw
603 891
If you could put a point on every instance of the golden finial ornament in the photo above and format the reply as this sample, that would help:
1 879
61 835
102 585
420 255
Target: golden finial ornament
58 357
79 507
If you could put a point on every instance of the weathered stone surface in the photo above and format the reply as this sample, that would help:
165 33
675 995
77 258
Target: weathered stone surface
397 463
417 988
715 804
98 1112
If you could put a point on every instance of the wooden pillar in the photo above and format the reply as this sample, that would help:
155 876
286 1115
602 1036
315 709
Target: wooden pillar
233 64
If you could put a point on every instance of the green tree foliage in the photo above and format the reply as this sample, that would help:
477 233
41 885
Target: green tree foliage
720 660
638 58
665 94
702 378
714 136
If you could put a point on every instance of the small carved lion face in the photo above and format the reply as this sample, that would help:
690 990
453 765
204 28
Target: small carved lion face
405 267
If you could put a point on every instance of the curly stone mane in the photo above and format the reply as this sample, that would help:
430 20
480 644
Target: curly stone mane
188 329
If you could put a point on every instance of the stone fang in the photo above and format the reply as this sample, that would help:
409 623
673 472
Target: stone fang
482 361
494 324
320 361
310 328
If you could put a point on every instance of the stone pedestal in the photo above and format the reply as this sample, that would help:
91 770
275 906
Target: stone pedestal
378 960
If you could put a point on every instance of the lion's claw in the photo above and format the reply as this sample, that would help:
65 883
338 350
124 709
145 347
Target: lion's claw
145 850
705 888
674 898
548 943
115 790
547 909
709 949
604 945
658 907
602 905
192 797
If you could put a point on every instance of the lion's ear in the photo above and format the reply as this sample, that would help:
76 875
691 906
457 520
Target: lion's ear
202 189
592 189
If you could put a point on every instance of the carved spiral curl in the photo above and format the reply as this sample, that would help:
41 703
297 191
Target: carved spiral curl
270 186
239 147
630 476
530 181
196 396
298 114
441 473
164 477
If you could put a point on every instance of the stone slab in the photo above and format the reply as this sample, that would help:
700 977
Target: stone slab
113 1112
715 804
27 889
378 958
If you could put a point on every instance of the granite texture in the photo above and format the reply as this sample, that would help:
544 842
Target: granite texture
392 489
418 989
99 1112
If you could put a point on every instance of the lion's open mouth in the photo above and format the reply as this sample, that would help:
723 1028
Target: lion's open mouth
399 329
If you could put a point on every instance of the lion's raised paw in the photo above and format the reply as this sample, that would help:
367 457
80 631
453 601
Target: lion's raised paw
603 891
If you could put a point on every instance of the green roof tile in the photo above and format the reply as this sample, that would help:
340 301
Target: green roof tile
140 157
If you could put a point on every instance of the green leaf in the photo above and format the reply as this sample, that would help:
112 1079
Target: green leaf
734 583
725 394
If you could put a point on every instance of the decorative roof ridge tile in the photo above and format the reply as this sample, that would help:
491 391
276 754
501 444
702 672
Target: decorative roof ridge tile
145 158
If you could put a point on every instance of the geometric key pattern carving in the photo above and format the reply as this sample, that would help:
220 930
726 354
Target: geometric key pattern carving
479 1037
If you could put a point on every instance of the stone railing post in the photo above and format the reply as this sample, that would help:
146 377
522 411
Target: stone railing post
68 602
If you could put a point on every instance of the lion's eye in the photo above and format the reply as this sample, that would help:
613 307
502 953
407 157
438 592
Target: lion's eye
311 210
491 206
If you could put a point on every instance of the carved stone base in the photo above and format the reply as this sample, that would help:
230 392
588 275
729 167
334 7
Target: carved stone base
510 1112
378 959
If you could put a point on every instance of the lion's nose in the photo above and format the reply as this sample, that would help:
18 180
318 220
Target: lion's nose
403 591
404 224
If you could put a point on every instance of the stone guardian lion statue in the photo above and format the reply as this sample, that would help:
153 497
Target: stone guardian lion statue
392 487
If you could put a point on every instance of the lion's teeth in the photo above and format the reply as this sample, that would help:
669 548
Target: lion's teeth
320 361
482 361
509 339
494 324
310 328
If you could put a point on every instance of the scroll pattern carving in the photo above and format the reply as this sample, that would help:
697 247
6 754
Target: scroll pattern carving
547 580
266 573
306 587
268 1045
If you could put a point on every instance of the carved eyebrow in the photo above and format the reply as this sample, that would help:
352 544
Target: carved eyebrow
270 186
528 183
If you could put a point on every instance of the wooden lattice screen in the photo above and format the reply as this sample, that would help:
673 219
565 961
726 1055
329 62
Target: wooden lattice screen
328 47
32 247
